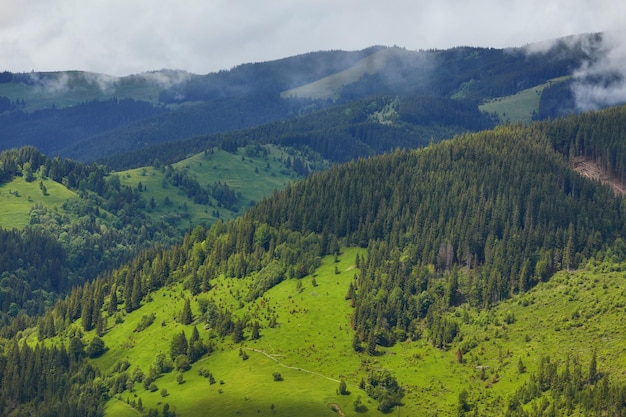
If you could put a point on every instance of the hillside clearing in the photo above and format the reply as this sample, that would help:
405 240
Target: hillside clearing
519 107
590 169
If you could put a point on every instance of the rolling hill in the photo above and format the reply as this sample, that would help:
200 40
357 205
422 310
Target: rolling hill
478 276
62 223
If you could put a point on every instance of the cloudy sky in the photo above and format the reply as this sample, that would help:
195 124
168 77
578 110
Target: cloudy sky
121 37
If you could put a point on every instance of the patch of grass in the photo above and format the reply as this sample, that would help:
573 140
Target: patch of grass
252 177
120 408
17 197
519 107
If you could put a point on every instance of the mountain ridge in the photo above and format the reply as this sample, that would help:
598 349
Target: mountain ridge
183 105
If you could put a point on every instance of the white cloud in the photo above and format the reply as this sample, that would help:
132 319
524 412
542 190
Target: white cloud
121 37
602 82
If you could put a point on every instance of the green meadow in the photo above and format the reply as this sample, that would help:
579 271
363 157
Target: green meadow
17 197
572 315
519 107
310 347
251 177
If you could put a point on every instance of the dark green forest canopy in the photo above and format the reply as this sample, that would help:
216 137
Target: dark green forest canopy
599 136
338 134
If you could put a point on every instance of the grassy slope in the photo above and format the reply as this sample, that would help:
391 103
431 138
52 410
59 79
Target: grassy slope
330 86
14 209
239 173
518 107
313 334
572 314
234 169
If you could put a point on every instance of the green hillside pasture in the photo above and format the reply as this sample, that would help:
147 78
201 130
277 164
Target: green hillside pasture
329 87
254 177
17 197
310 348
572 315
519 107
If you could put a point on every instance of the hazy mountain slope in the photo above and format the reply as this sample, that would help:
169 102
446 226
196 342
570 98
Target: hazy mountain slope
250 94
265 77
330 87
43 90
52 130
361 128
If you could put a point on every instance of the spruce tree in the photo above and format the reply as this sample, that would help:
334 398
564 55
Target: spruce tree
186 316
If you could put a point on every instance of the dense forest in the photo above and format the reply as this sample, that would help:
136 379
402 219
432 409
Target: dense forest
52 130
503 205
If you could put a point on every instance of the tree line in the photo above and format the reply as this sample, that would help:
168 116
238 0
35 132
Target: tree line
49 381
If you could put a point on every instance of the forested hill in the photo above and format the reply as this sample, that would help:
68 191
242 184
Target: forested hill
473 220
503 204
358 129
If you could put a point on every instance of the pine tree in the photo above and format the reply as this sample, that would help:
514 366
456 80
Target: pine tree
113 301
186 317
593 369
178 345
238 335
254 335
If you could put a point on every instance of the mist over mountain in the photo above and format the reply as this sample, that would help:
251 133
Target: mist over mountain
57 111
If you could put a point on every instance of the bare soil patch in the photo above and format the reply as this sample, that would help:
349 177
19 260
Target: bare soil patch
590 169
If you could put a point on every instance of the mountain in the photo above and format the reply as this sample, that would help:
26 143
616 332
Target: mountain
468 277
89 117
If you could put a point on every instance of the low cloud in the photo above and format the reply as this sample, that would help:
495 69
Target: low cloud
57 83
165 78
52 84
106 83
601 81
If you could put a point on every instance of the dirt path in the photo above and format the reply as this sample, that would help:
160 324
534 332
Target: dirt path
588 168
272 357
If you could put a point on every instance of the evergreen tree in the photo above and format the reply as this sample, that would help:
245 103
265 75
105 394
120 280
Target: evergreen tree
186 316
178 345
